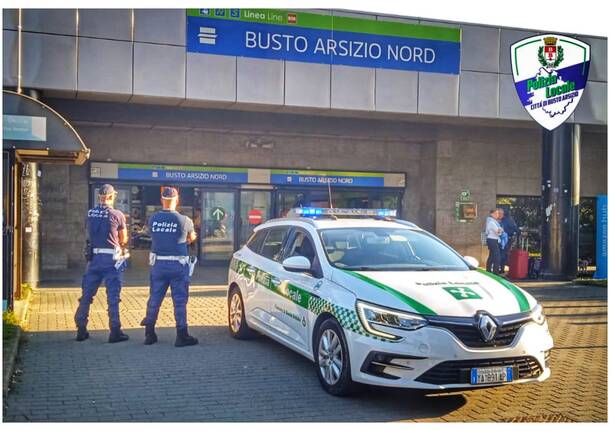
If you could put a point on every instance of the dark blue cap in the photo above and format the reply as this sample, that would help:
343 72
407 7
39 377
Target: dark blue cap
106 190
169 193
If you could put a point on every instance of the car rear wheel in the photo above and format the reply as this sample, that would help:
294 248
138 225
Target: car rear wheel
332 359
238 327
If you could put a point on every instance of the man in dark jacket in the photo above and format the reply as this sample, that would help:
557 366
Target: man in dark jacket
510 228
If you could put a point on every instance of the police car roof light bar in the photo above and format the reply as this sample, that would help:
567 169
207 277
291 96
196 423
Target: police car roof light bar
343 212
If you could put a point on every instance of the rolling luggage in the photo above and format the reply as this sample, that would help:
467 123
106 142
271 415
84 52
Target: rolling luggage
518 263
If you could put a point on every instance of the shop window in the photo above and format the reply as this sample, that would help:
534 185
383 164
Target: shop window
288 199
341 198
527 213
139 203
145 201
587 231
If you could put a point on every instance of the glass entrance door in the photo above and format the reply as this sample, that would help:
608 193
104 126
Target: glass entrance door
217 225
255 208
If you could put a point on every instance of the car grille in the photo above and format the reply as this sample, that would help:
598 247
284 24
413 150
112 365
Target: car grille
465 329
452 372
471 337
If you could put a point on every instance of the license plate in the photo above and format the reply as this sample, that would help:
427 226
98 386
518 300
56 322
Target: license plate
481 376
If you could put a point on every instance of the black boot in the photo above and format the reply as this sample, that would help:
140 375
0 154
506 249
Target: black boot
116 336
149 335
82 334
184 339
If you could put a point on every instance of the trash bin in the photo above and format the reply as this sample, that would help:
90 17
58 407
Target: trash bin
518 263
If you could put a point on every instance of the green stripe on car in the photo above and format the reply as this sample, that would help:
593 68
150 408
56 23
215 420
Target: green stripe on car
519 296
417 306
348 319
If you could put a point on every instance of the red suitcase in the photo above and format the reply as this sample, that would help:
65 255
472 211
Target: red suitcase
517 261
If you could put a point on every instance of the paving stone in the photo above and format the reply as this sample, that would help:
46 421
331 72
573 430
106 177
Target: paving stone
223 379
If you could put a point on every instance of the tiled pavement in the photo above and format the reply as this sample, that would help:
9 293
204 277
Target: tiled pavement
223 379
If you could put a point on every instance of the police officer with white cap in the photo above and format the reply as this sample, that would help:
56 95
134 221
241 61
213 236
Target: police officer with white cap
171 233
107 236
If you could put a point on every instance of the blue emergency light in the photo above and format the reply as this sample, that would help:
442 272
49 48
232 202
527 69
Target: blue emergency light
346 212
309 211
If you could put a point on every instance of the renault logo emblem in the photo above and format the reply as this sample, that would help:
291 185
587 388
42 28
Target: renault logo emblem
487 327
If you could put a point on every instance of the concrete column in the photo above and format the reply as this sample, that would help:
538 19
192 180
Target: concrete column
30 216
30 219
560 201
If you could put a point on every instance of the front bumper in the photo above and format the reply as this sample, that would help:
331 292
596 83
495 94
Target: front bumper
434 358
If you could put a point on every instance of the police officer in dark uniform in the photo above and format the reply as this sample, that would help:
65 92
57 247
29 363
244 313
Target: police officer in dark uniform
107 235
171 233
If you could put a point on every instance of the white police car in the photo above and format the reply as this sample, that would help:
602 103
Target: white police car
380 301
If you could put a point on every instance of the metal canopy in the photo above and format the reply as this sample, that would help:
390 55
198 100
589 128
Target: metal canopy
37 133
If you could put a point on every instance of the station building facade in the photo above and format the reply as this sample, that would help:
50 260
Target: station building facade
247 132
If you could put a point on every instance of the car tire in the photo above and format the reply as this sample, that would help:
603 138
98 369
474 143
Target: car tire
236 315
332 359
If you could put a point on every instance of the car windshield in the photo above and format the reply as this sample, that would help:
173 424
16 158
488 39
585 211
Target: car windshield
388 249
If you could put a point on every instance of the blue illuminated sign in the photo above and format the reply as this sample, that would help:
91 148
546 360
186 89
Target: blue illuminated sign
181 174
351 42
319 178
601 255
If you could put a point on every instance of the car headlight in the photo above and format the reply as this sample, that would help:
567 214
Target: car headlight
538 315
374 318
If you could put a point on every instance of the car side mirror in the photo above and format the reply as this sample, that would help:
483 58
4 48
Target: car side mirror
297 264
471 261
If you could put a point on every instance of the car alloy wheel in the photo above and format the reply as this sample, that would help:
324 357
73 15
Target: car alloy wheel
330 357
235 313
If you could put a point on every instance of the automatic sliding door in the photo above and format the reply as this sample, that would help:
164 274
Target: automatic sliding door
217 225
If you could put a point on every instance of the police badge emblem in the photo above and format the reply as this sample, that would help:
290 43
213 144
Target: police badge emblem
550 74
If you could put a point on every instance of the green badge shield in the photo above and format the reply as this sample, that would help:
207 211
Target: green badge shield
462 292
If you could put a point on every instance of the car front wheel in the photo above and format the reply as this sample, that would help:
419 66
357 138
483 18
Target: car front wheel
238 328
332 359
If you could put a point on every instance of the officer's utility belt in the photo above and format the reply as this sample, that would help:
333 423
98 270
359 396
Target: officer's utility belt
103 251
183 260
117 253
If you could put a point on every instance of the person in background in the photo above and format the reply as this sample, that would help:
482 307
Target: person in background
508 237
493 230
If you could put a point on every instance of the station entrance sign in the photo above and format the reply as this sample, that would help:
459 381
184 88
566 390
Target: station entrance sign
327 39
